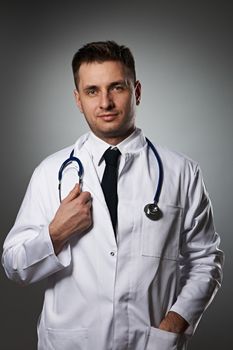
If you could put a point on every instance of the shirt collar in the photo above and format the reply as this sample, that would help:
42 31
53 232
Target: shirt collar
132 144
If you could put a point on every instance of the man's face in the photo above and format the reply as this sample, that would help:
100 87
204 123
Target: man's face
107 97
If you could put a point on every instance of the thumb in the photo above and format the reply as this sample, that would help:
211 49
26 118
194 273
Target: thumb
74 193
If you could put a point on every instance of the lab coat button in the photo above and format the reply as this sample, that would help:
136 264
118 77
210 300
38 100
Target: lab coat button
112 253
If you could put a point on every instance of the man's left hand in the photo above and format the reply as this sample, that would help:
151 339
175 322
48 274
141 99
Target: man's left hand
174 323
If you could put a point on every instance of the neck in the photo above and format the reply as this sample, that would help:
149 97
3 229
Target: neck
114 140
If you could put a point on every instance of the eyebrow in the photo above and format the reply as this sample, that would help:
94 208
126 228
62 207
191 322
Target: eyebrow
90 87
114 83
119 82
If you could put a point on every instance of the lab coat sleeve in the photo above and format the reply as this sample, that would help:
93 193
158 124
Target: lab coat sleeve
200 258
28 254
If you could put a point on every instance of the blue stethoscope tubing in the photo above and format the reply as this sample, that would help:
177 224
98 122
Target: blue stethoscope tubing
160 165
67 162
151 210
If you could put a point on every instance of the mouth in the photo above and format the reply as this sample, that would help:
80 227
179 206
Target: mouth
108 116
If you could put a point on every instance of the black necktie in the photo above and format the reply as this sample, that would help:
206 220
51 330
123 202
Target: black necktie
109 183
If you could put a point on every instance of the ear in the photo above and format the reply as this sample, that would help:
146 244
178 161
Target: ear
77 100
137 89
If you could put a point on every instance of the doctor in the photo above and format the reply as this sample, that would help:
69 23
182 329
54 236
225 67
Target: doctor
123 282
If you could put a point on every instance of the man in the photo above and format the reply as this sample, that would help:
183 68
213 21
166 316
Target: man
117 278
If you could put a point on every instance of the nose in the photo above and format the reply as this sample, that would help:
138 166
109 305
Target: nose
106 101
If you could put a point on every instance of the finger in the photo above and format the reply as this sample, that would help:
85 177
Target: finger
84 197
89 204
74 193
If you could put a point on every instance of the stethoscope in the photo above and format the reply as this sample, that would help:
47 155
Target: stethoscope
151 210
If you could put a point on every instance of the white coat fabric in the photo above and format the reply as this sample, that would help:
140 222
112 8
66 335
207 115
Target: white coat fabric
105 295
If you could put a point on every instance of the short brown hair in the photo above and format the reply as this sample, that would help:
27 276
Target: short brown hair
101 51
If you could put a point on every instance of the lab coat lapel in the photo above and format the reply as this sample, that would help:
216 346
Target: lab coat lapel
92 184
91 181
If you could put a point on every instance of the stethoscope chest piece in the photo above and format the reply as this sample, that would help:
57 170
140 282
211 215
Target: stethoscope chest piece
153 212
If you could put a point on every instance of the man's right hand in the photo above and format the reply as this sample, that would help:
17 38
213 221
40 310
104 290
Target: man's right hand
73 216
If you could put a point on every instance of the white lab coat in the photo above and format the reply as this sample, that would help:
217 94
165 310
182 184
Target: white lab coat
106 296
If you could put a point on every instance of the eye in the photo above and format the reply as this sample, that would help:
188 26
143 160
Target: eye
118 87
91 92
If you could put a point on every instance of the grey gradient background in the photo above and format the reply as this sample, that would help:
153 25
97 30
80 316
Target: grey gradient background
184 55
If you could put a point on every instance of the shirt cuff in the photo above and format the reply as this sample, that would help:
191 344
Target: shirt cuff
40 248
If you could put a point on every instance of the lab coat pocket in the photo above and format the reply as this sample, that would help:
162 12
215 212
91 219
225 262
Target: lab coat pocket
62 339
161 238
161 340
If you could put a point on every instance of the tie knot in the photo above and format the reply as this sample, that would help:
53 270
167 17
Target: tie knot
111 156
